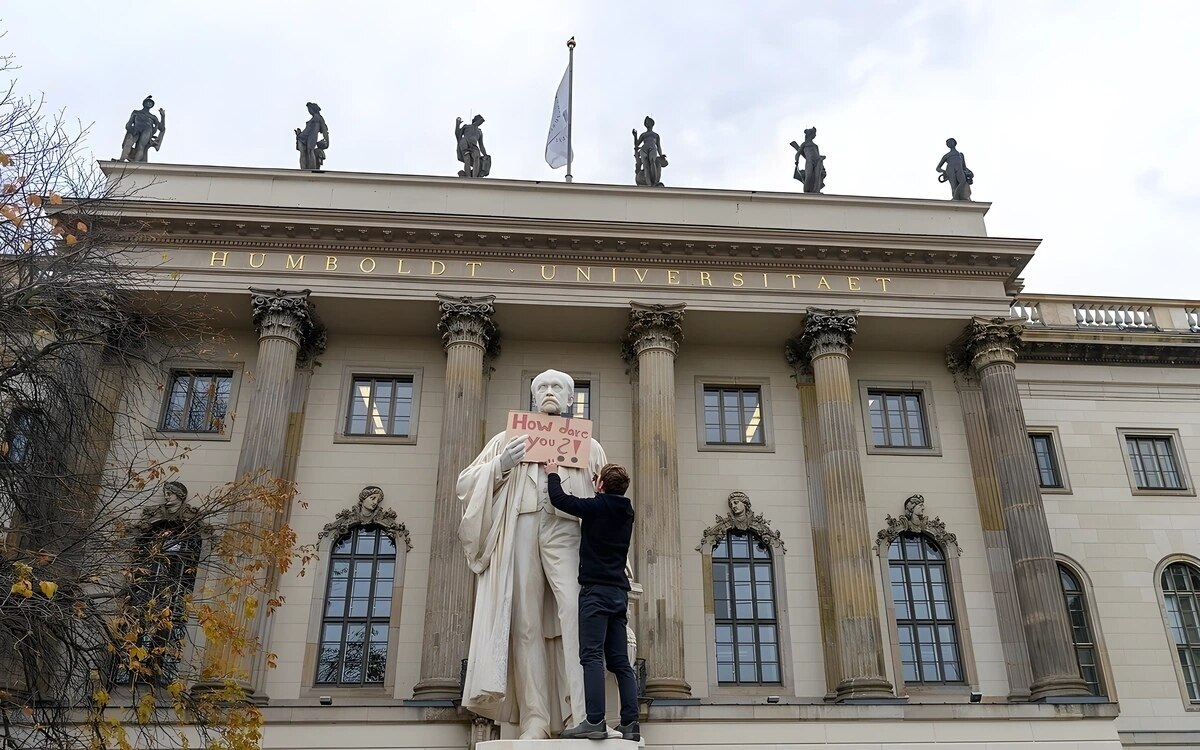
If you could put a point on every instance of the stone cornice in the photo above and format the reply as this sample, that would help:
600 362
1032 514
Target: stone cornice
576 241
1156 353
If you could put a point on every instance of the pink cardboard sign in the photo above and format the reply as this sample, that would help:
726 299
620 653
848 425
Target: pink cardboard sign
565 439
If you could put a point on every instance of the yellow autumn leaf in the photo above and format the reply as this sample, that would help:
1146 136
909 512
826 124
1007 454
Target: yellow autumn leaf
4 448
100 697
48 588
5 160
71 239
33 200
55 199
9 188
251 607
81 227
22 588
176 689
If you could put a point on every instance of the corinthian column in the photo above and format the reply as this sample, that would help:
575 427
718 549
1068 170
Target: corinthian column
287 330
468 335
650 345
992 345
991 519
826 343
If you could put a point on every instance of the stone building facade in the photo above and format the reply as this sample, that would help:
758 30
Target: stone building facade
970 515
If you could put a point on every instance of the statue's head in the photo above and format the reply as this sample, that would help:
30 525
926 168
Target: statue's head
370 498
951 142
648 122
739 504
313 108
477 120
174 494
810 133
553 392
148 102
914 507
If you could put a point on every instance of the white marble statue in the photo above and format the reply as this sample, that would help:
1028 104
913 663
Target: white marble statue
523 665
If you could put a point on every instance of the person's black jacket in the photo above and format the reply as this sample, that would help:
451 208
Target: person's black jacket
606 528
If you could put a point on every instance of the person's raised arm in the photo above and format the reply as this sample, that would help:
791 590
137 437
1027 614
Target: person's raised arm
576 506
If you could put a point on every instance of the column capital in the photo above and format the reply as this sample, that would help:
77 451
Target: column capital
958 362
652 326
990 341
825 332
288 314
468 320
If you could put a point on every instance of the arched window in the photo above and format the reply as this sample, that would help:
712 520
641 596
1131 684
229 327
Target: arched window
1087 653
165 577
925 625
746 617
1181 595
358 605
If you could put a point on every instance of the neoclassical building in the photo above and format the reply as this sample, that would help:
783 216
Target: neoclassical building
884 498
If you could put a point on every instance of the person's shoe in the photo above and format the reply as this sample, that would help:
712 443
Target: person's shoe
630 731
586 730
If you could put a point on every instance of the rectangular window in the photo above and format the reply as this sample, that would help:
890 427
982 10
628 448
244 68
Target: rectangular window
1152 458
1049 477
747 625
897 419
733 415
583 400
197 401
380 406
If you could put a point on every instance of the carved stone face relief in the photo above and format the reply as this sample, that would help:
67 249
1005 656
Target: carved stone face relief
740 518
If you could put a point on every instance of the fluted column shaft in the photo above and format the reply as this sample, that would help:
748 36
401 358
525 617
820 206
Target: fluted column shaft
995 537
287 330
992 345
468 334
827 339
651 343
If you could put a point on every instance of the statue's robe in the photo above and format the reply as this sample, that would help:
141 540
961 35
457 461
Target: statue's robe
490 503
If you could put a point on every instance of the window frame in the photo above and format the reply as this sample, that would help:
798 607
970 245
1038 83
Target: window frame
180 631
1176 447
726 690
353 370
921 691
933 621
763 385
310 689
1159 571
924 390
175 367
1060 463
1107 686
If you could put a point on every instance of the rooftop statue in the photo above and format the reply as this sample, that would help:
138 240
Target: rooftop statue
312 141
955 172
474 157
813 174
648 157
143 132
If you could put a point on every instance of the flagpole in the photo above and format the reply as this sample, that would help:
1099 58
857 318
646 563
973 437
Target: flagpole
570 98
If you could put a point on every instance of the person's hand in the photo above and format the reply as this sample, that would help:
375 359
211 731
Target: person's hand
551 466
513 453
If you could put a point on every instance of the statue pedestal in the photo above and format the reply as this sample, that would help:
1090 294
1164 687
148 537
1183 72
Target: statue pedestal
557 745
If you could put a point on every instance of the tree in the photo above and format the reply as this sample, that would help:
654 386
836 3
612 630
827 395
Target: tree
117 591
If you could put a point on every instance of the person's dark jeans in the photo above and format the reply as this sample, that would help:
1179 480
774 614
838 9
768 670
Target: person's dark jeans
602 616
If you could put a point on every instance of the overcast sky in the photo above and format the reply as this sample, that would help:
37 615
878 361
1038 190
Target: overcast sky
1080 120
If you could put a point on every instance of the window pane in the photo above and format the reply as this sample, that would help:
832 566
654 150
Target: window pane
733 416
746 645
358 605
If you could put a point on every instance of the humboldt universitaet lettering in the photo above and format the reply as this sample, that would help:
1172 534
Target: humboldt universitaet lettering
566 273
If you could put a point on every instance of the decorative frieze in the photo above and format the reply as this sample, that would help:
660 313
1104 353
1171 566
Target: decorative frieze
368 511
915 521
740 518
469 320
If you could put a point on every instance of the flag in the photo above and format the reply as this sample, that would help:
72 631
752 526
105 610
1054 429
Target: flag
560 123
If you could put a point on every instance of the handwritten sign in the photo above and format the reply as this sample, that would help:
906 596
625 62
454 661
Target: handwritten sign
565 439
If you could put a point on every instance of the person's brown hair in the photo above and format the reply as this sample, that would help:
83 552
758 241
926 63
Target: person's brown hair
615 479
